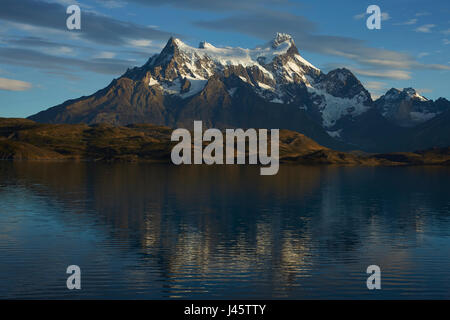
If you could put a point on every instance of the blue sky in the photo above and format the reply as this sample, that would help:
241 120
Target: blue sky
43 64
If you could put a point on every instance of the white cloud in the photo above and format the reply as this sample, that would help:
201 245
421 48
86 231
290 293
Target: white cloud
38 30
424 90
406 23
376 88
71 2
65 50
105 55
385 16
359 16
426 28
446 31
446 41
111 4
59 51
387 74
14 85
423 54
375 85
421 14
140 43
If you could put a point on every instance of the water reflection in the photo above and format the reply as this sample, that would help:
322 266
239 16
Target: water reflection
156 231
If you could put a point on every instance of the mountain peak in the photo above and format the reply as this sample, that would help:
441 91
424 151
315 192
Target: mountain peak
413 94
341 73
410 91
282 38
406 93
261 67
172 42
171 46
205 45
342 83
393 91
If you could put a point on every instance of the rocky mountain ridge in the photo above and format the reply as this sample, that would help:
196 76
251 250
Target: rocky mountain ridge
270 86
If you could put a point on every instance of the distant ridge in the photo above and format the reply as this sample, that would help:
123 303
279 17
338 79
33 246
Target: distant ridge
23 139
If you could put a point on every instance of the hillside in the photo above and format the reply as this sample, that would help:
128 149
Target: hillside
23 139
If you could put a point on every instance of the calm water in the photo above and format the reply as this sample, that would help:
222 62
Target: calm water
156 231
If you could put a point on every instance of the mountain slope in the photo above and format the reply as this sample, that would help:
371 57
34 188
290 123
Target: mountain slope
435 133
22 139
407 108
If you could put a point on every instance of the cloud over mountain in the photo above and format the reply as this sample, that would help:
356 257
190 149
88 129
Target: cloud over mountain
260 23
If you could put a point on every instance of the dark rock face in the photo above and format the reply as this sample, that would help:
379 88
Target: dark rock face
342 83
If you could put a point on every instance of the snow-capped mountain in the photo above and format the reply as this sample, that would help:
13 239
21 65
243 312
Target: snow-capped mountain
407 107
337 95
270 86
270 70
265 67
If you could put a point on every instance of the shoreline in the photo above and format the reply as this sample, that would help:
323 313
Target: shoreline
26 140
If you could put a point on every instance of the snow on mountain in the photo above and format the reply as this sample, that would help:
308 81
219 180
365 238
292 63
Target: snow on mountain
269 69
220 58
339 94
257 57
407 107
265 67
334 108
407 93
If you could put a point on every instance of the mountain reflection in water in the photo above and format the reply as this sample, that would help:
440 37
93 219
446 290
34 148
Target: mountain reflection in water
160 231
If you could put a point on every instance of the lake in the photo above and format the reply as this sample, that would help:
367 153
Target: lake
152 231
